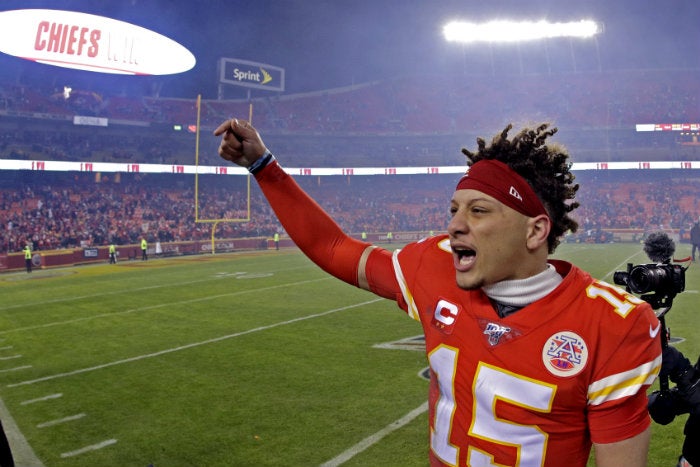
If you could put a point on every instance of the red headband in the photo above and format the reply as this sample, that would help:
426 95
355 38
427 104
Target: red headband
503 183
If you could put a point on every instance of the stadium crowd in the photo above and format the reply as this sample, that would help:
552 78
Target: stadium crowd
416 104
402 122
417 124
55 211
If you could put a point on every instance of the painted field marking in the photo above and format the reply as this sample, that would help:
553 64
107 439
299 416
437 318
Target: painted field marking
16 368
190 346
10 357
22 452
92 447
161 305
118 292
624 263
59 421
41 399
376 437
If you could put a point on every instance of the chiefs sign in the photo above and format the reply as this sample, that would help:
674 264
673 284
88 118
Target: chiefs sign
89 42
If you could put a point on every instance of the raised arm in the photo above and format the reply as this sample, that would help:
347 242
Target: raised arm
311 228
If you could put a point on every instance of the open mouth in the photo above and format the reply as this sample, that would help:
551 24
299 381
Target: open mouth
464 257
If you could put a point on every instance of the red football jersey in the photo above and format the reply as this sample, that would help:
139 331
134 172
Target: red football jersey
537 387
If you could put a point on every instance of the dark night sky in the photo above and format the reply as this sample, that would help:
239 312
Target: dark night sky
326 44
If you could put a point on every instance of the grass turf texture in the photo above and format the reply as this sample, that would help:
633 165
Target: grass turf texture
234 360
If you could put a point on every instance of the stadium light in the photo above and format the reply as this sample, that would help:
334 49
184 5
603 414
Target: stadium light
517 31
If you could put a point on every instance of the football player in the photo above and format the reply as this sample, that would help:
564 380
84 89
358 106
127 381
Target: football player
532 360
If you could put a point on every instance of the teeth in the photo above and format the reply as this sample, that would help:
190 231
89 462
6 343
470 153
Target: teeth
465 260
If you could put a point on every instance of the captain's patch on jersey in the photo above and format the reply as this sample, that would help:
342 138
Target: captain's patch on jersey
565 354
445 316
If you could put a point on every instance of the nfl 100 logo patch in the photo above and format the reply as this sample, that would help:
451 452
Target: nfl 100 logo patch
495 332
565 354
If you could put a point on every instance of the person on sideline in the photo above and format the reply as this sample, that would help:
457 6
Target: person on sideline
144 249
28 257
695 238
532 361
112 254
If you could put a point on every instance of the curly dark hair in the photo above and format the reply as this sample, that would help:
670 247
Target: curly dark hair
544 166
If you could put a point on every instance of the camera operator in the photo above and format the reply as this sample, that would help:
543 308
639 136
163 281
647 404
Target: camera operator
683 398
658 284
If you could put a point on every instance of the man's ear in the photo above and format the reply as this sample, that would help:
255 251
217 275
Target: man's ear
538 231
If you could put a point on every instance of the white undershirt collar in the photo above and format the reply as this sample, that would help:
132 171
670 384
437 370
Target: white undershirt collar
522 292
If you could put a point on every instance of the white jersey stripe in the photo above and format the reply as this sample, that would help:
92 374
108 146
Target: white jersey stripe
412 308
623 384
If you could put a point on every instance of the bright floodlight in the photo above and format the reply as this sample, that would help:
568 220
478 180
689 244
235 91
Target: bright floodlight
511 31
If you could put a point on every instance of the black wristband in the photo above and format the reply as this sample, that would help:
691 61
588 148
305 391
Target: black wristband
261 163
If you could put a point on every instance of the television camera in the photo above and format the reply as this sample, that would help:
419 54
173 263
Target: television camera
658 284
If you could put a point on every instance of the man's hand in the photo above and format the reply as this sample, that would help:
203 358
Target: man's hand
240 142
674 363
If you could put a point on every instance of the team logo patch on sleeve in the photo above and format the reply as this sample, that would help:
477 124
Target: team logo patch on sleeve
565 354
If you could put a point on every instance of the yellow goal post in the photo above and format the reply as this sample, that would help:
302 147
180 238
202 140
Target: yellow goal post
215 222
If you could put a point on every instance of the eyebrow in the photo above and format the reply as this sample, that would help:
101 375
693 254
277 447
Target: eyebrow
477 200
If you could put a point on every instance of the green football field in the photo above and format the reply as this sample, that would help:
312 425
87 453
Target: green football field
247 359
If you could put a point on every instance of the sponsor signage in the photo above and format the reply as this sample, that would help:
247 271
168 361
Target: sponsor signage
91 253
251 74
668 127
88 42
90 121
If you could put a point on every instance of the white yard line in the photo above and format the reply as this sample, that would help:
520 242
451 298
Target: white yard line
42 303
376 437
59 421
11 357
189 346
621 266
22 451
161 305
92 447
17 368
41 399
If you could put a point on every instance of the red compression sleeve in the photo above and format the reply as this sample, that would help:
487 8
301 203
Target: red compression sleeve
314 231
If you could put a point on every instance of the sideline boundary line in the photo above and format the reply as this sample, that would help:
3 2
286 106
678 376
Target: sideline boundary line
22 452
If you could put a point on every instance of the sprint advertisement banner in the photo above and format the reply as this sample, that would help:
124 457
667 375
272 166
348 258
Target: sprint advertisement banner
251 74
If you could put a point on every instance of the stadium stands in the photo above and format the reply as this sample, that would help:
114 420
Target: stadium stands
421 121
73 210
